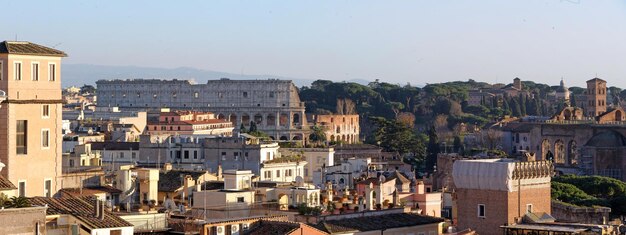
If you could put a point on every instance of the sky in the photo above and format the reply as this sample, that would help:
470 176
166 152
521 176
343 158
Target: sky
416 42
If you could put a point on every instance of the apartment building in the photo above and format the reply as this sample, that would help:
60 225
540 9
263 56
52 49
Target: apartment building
30 117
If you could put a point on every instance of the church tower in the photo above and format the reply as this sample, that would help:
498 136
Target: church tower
596 97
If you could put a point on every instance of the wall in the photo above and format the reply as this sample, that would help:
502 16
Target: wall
22 220
577 214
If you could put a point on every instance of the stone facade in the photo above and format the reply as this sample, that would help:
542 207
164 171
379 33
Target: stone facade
30 118
339 128
28 220
273 104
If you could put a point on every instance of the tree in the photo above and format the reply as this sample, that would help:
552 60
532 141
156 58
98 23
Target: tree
433 149
406 118
317 134
394 136
242 128
493 138
253 127
457 144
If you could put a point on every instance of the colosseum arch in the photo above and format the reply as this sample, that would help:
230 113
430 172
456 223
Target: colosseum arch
270 120
258 119
297 137
233 119
284 138
245 119
296 118
559 152
221 116
332 137
283 119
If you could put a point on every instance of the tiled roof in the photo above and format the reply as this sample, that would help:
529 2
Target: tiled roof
373 223
82 208
91 190
5 184
399 176
278 228
114 145
170 181
28 48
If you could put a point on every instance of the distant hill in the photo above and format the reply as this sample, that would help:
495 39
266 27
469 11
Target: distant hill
80 74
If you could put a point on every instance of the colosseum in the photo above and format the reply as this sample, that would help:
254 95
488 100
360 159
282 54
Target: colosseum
274 105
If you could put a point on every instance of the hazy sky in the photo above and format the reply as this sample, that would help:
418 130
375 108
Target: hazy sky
396 41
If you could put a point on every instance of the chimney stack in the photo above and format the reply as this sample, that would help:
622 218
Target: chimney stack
96 209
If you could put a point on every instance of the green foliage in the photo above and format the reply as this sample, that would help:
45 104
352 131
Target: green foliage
433 149
4 200
18 202
303 209
394 136
317 134
597 186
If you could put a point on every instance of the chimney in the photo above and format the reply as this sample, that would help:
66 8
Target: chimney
96 209
101 212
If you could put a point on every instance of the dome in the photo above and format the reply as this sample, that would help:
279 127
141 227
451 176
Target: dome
607 139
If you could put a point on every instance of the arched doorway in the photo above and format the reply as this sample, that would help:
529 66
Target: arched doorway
618 115
283 202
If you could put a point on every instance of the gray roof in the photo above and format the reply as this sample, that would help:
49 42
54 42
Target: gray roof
374 223
28 48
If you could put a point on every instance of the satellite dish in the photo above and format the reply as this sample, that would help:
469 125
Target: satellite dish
299 181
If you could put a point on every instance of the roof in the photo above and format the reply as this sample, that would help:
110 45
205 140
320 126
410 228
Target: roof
596 80
279 228
373 223
607 139
373 180
5 184
547 227
396 175
82 208
28 48
108 145
170 181
91 190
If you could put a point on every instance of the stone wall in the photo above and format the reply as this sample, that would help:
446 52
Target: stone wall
578 214
23 220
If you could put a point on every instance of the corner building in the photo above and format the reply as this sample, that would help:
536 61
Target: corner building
30 118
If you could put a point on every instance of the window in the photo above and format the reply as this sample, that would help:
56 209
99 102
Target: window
34 73
45 111
306 171
236 154
268 174
21 136
121 154
133 155
52 72
529 208
186 154
45 138
223 156
240 199
21 189
195 154
277 173
481 210
271 94
196 95
17 71
245 94
47 188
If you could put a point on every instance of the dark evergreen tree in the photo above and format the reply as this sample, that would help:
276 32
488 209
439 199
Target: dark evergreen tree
433 149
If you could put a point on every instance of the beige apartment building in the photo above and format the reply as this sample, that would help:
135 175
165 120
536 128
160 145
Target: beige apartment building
30 117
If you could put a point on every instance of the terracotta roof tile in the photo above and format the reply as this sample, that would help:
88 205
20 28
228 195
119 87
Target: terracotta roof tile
28 48
81 208
373 223
5 184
